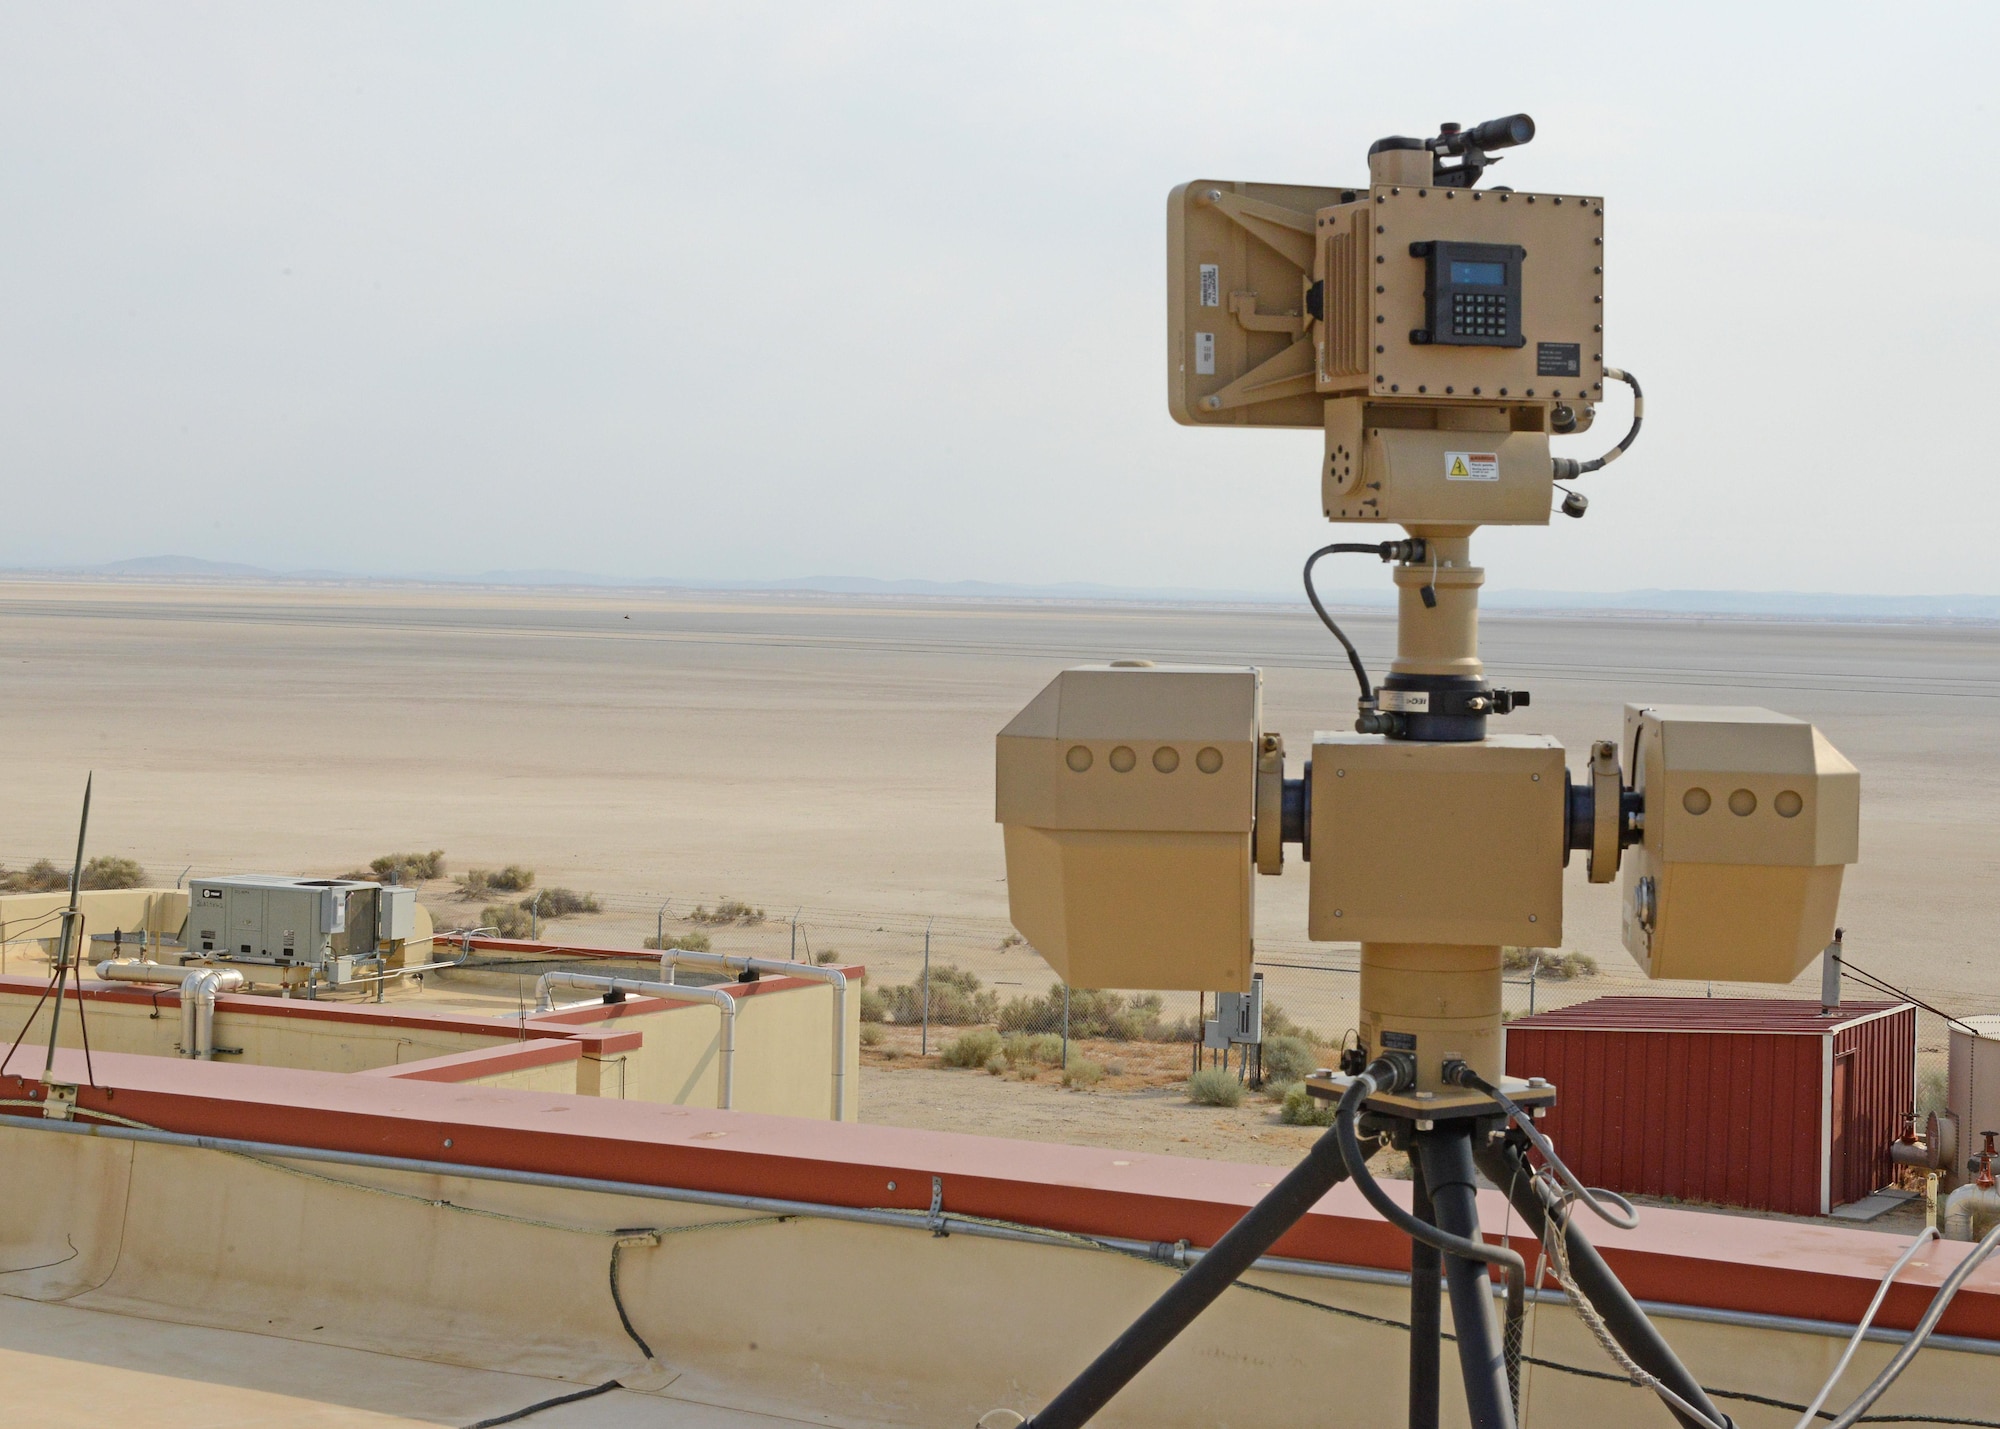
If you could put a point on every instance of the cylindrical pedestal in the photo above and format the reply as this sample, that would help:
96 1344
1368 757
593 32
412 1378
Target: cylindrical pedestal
1437 1000
1443 639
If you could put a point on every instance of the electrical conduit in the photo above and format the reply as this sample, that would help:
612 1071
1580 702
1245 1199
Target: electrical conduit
678 992
777 967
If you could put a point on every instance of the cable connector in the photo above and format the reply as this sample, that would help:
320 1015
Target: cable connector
1391 1072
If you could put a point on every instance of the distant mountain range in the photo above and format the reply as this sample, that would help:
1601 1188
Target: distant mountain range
1821 605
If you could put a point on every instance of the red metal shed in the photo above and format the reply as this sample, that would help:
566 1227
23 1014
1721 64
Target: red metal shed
1738 1101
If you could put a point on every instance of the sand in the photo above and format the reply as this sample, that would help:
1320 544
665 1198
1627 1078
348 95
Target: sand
837 752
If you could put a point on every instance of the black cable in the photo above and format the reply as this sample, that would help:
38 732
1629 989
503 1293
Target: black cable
1357 1169
1870 980
619 1300
626 1237
591 1393
1387 550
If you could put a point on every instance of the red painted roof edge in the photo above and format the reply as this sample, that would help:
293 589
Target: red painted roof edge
484 1061
1686 1257
1622 1014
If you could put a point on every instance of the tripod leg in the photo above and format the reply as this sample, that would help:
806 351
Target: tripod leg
1426 1273
1622 1316
1446 1155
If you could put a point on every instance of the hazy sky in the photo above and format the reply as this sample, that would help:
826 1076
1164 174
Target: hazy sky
745 290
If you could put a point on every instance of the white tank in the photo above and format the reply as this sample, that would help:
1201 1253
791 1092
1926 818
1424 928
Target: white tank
1972 1089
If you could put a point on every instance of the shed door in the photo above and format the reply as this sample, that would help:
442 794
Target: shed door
1843 1078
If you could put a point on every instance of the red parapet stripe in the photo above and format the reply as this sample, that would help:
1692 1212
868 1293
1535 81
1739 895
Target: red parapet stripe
1690 1258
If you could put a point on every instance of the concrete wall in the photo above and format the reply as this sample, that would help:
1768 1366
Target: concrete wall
784 1048
784 1040
809 1318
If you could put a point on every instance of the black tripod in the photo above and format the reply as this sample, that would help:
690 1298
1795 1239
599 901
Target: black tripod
1446 1252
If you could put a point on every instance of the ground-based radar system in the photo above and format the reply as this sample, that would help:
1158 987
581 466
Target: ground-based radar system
1441 336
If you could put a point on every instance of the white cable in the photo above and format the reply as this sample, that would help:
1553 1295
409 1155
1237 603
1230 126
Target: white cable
1555 1227
1930 1233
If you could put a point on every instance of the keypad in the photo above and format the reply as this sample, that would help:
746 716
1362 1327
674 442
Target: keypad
1479 314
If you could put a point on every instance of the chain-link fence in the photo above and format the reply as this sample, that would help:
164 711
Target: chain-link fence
931 980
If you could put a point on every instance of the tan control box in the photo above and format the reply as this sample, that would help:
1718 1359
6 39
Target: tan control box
1128 797
1437 843
1751 818
1402 293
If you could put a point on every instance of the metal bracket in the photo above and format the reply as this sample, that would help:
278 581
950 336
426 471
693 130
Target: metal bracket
1606 785
937 1208
1268 827
1244 305
61 1103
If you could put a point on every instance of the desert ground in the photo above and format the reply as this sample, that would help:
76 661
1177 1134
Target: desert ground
834 754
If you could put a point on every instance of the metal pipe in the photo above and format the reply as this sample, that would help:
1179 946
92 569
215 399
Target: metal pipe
198 987
1167 1254
812 972
726 1074
1446 1154
1966 1207
1622 1315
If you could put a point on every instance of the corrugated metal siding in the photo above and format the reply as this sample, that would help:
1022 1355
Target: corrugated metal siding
1727 1115
1882 1089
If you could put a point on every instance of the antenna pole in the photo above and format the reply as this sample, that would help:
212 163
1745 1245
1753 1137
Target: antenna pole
63 945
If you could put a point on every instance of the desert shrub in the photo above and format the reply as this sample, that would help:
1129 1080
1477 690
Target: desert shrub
1212 1086
997 1064
872 1034
1012 940
1044 1047
1091 1014
1560 967
1080 1075
826 955
680 943
729 910
407 867
958 999
512 879
506 920
41 876
1930 1091
1278 1024
972 1049
107 871
874 1006
1287 1060
560 903
1302 1108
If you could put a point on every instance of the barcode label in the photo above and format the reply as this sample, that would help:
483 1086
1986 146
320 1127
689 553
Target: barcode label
1211 285
1204 354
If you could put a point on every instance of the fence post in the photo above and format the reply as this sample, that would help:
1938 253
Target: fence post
535 918
795 931
1534 977
1065 1060
660 938
926 1046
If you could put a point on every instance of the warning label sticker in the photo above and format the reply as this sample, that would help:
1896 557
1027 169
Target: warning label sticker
1472 466
1204 354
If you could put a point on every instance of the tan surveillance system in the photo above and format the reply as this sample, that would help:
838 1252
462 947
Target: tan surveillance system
1440 335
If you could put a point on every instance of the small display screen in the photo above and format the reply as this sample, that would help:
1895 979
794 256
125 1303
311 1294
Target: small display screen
1485 275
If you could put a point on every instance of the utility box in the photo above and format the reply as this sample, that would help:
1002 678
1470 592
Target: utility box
1751 818
1765 1103
1128 797
1238 1020
1416 842
325 924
